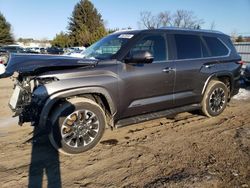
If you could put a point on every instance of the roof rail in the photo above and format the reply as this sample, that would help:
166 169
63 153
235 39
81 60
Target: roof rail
188 29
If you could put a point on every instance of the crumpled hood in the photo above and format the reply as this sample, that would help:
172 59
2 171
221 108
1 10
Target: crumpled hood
29 64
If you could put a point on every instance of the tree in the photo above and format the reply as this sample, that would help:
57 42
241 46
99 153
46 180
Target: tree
234 35
212 26
148 20
151 21
239 39
112 30
164 19
186 19
5 33
86 25
181 18
61 40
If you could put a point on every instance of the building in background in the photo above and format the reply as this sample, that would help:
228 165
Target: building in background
35 44
243 48
32 43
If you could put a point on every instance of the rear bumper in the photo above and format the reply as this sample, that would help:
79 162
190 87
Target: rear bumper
235 87
246 76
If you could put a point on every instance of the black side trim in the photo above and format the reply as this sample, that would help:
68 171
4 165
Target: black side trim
155 115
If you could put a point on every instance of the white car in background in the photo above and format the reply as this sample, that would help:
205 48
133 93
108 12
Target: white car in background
75 52
36 49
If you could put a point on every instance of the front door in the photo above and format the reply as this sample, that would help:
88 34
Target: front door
147 87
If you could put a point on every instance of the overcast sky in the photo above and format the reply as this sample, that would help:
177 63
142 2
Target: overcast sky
43 19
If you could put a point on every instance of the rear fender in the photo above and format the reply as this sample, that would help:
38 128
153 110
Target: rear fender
216 76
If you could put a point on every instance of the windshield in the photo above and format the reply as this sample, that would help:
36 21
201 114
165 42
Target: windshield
107 47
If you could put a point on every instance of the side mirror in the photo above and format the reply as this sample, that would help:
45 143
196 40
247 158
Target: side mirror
2 69
141 56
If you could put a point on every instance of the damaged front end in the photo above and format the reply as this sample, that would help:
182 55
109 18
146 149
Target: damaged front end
30 91
29 97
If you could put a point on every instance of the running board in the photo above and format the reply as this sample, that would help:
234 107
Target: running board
155 115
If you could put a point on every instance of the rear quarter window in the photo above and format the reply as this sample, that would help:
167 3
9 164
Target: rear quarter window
215 46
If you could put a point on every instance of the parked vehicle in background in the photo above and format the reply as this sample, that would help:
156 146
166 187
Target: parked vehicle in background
77 48
4 58
246 73
36 50
55 50
11 49
125 78
5 50
76 53
30 51
74 49
43 50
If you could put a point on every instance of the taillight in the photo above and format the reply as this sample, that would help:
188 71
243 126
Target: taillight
241 62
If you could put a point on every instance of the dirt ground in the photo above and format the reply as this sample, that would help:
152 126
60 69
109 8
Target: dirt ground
186 150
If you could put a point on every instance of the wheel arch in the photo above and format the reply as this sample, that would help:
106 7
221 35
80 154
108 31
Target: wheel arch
98 93
225 77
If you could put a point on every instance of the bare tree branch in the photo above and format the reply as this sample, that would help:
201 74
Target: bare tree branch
182 18
212 26
186 19
148 20
164 19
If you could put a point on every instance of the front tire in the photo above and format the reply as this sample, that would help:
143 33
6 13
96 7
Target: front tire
77 125
215 98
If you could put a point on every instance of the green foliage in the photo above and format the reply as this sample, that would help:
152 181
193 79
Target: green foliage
239 39
86 24
110 31
61 40
5 34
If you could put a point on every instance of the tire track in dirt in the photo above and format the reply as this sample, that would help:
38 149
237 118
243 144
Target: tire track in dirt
183 150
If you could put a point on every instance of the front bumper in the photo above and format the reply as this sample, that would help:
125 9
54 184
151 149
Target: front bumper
25 104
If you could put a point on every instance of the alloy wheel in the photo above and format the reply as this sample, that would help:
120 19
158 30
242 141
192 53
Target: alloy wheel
80 128
217 100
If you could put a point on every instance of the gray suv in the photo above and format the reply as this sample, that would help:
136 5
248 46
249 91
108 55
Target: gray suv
125 78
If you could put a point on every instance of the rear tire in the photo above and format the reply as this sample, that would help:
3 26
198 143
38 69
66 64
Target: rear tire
215 98
77 125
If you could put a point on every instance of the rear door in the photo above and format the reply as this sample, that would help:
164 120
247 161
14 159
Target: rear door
188 60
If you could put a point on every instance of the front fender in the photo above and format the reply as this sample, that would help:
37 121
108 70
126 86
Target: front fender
70 93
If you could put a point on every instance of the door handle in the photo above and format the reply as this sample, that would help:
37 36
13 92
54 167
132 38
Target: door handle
210 65
168 69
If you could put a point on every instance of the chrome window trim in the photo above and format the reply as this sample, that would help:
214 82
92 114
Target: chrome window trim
212 57
229 50
192 30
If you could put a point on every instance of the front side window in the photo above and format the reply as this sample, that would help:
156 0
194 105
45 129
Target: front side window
216 47
155 44
188 46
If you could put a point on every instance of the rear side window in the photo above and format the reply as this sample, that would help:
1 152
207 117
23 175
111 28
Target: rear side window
188 46
215 46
